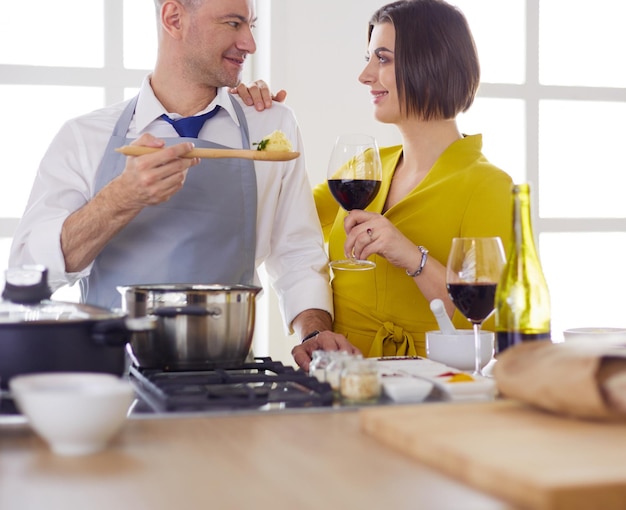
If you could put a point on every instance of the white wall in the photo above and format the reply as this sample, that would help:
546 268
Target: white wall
316 52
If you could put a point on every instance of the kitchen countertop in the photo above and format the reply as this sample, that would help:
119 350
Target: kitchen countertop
288 460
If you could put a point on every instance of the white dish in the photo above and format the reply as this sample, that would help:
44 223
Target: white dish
440 376
604 335
75 413
479 388
411 366
406 389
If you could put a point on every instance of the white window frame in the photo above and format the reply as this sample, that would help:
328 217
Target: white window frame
114 78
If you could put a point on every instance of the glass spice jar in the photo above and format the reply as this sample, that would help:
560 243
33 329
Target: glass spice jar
338 360
319 361
360 381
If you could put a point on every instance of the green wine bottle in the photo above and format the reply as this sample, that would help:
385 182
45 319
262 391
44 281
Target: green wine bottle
522 298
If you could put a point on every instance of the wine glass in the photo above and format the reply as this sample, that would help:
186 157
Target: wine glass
354 177
472 274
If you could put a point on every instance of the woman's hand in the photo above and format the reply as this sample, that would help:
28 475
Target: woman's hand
371 233
258 94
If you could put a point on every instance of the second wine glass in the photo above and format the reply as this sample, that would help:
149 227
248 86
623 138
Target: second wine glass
472 274
354 177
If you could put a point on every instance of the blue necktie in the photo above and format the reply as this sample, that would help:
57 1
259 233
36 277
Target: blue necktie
190 126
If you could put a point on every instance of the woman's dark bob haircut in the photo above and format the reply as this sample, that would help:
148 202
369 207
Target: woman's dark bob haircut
436 62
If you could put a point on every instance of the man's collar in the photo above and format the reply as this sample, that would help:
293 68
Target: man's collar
149 108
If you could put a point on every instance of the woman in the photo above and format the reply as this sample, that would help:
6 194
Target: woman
422 70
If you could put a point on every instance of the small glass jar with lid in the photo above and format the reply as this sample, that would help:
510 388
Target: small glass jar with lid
360 381
338 360
319 362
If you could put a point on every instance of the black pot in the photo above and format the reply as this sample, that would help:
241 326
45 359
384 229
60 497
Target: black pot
41 335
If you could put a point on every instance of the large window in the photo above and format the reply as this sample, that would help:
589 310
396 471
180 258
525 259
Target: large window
73 68
550 106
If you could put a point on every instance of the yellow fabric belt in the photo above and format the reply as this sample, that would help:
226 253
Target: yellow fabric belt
392 340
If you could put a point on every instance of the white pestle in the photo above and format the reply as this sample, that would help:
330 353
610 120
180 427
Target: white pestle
445 324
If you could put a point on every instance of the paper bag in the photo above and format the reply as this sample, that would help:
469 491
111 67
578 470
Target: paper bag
579 380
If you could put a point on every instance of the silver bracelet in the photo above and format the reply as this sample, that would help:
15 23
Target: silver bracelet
424 253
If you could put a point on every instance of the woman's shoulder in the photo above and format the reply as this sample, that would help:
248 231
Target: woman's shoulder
390 151
469 149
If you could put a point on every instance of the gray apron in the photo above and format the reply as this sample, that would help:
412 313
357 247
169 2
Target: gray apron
205 233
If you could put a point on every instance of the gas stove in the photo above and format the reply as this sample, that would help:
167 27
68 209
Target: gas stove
260 384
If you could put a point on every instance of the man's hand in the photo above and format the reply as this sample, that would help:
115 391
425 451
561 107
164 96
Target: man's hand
146 180
152 178
324 341
258 94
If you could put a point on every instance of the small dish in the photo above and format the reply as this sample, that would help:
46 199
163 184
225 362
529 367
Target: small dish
597 335
462 386
75 413
406 389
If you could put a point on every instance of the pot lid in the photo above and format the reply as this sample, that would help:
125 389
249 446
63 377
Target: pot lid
26 298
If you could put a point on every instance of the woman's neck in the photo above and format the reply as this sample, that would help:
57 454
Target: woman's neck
423 142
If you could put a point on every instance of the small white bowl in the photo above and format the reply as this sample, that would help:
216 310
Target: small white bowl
406 389
456 350
75 413
600 335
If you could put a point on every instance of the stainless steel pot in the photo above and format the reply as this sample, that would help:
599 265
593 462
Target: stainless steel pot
198 326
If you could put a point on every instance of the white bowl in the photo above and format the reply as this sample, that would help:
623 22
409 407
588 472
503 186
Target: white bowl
599 335
406 389
75 413
456 350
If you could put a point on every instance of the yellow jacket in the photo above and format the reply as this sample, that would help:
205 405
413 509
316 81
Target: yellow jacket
382 311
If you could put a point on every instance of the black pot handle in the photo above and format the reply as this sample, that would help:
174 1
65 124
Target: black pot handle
117 332
199 311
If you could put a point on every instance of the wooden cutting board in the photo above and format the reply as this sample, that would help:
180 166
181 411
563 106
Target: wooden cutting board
533 459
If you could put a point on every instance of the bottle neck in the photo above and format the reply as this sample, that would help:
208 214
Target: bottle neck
522 219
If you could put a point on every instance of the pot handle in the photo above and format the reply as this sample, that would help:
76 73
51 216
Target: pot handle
117 332
173 311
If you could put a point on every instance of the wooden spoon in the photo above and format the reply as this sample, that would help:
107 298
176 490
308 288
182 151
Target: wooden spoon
136 150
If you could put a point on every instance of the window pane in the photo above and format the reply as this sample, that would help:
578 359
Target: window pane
501 45
502 124
20 155
140 41
582 44
5 247
67 33
579 140
583 298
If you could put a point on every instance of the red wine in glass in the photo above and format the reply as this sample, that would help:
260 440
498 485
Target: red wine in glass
472 273
353 193
474 300
354 178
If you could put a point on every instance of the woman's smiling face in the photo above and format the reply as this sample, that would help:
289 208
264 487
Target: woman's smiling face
380 73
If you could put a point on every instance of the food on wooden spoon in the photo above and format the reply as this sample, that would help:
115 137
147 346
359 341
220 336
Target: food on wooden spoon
276 141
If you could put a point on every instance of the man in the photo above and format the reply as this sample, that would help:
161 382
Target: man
102 219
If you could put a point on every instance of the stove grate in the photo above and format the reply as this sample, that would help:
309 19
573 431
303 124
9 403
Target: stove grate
262 384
